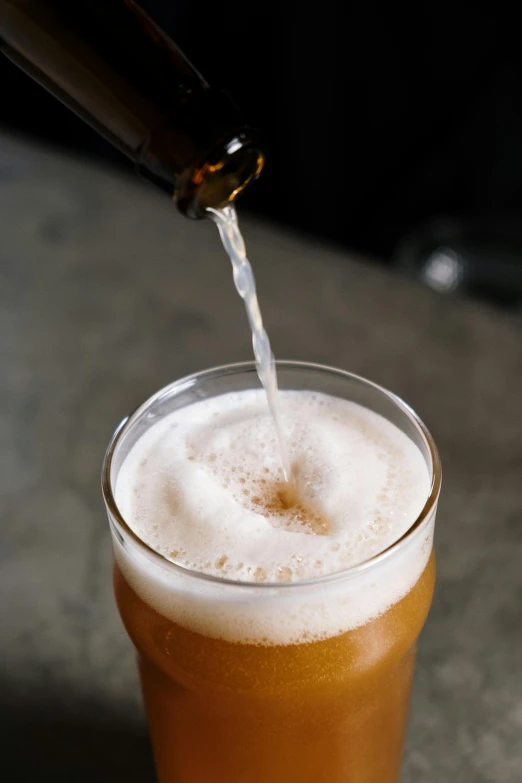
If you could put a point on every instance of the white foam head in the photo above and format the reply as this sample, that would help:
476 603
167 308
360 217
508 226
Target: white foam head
204 488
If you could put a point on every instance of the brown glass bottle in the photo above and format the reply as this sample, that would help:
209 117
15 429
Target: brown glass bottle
112 65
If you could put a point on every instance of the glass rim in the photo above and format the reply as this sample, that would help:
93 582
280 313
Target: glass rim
126 532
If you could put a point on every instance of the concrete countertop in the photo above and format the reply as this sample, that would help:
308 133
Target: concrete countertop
107 295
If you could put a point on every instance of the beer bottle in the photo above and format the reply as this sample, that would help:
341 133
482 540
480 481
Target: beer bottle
112 65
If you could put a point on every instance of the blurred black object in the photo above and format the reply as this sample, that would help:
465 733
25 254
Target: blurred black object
478 255
379 116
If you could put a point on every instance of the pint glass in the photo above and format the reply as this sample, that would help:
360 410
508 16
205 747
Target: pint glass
266 707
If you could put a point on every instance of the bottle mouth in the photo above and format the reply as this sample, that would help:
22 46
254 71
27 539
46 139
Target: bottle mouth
226 173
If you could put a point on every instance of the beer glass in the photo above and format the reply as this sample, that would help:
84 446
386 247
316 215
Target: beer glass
230 697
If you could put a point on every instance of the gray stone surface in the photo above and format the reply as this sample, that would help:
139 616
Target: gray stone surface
106 295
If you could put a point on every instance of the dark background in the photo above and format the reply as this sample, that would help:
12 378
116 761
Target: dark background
380 121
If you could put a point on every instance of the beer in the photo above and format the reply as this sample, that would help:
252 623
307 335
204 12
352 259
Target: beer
275 637
245 283
114 67
331 711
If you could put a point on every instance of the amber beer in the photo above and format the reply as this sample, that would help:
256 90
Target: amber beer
253 711
332 711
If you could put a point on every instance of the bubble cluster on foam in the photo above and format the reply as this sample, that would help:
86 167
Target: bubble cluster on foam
204 487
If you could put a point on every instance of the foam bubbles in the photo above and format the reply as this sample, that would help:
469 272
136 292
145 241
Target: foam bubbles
204 487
